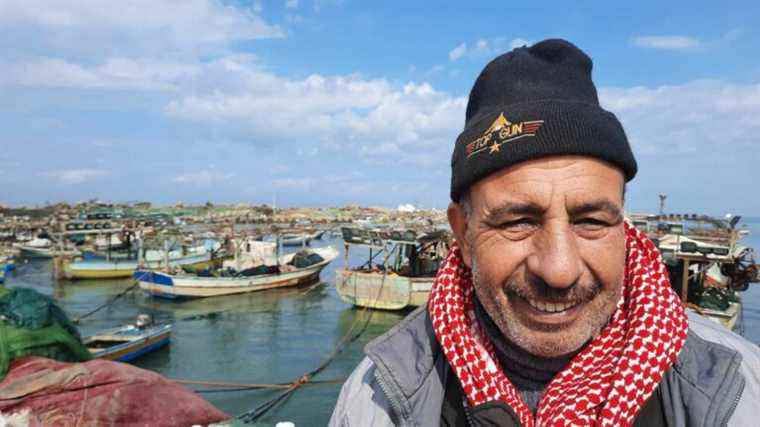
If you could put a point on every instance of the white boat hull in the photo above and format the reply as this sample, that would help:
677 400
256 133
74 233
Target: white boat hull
180 286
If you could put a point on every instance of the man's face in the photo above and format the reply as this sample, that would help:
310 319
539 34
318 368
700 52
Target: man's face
546 245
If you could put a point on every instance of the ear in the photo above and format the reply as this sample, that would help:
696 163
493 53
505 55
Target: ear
458 224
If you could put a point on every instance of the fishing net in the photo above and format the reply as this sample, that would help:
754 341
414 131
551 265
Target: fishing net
31 324
305 259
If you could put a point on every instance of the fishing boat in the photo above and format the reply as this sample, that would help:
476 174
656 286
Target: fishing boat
108 242
129 342
400 269
291 270
291 240
82 268
36 248
706 264
7 262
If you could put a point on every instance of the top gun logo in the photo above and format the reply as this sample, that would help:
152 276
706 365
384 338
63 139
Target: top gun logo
500 132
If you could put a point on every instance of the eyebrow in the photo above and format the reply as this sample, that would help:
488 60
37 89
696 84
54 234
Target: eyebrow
596 206
515 208
533 209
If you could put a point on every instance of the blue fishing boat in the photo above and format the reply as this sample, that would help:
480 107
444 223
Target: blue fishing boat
8 264
129 342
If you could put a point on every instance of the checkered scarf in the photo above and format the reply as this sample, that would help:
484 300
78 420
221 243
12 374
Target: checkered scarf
608 382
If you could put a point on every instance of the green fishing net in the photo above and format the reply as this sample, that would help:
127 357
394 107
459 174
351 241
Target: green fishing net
32 324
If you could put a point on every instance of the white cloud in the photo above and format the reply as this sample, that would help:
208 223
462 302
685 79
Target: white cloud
699 118
667 42
458 52
291 4
518 42
114 73
203 177
486 47
100 28
75 176
366 116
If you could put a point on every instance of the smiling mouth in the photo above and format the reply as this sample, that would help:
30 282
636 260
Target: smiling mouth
550 307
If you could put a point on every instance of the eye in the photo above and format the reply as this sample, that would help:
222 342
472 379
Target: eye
591 221
591 224
517 224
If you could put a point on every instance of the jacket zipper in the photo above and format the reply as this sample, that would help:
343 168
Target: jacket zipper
467 414
734 404
395 404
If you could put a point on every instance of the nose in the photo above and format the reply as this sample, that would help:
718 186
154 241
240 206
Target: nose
555 257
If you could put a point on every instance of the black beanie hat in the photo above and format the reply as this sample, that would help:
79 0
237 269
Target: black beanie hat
533 102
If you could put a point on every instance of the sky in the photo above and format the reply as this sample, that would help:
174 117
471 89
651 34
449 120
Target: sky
331 102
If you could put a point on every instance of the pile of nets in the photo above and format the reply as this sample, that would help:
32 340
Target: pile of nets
99 393
305 258
37 340
31 324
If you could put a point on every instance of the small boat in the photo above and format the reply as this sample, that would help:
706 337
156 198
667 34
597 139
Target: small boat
194 257
36 248
7 264
107 242
405 275
295 239
707 266
261 277
129 342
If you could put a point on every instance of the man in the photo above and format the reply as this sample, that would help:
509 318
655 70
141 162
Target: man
550 308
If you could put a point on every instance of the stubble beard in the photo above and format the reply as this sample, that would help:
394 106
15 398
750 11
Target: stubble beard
533 339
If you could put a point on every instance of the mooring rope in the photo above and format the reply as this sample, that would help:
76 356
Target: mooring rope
256 413
107 303
113 299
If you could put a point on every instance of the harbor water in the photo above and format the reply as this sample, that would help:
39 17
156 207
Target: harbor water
264 337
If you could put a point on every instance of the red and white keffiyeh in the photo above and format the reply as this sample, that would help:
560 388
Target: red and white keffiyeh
608 382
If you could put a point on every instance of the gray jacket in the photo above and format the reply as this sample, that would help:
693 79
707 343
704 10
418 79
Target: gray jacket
715 382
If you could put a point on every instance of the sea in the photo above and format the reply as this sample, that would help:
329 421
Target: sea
273 336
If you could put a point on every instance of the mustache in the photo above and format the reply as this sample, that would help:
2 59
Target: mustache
537 289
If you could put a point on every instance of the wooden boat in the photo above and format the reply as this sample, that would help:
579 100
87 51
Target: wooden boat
383 291
295 239
706 265
194 286
405 276
197 257
30 251
129 342
36 248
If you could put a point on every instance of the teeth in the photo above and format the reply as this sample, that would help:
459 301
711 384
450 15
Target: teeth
549 307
